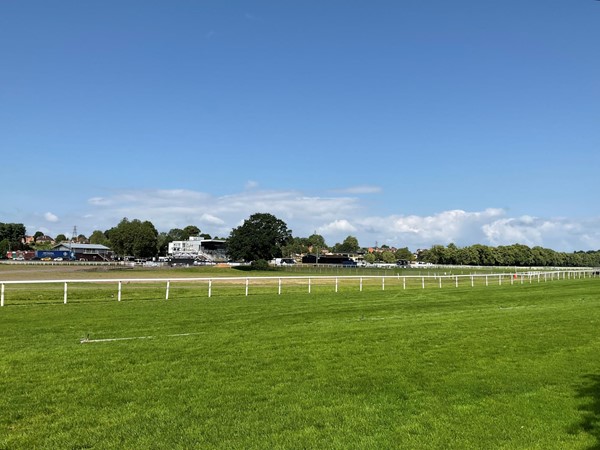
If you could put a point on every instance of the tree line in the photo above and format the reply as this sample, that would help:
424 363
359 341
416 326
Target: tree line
263 236
508 255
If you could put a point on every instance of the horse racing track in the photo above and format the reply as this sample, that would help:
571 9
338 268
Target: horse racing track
334 364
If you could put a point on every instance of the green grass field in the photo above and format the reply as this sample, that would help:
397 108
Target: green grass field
511 366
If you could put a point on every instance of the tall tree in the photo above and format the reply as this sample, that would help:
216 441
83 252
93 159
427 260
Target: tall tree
350 245
14 232
177 234
404 253
191 230
261 236
134 238
98 237
4 248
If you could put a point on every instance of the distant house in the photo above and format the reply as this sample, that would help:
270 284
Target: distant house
86 252
44 240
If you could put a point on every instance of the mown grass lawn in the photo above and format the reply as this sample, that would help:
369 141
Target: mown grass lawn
512 366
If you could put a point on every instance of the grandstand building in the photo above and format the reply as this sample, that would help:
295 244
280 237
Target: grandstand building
86 252
198 249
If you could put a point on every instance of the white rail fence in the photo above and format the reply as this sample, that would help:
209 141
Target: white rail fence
419 281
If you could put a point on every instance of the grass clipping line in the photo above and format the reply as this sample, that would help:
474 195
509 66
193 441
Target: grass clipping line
87 340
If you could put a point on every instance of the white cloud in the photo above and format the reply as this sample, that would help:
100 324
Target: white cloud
356 190
334 216
168 209
51 217
558 233
336 227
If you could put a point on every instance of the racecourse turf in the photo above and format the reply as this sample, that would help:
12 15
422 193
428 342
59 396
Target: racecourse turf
502 366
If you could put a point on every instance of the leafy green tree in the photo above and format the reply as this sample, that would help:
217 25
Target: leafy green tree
162 243
404 253
295 246
177 234
15 233
134 238
350 245
388 257
4 248
191 230
369 258
316 240
60 238
261 236
98 237
37 234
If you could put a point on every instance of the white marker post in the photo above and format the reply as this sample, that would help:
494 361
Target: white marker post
65 295
119 294
167 294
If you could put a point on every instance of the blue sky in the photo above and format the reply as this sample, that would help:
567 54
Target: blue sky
405 123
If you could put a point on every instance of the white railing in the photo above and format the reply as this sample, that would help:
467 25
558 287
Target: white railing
416 280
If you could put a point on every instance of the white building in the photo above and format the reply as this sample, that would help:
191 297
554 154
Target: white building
199 249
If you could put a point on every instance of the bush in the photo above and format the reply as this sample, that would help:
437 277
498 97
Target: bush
260 264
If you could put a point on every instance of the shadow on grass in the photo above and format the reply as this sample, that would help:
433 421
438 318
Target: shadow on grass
589 392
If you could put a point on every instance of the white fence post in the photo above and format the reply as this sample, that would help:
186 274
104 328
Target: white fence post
336 284
247 282
279 287
440 282
65 295
383 283
403 282
2 295
360 284
119 294
309 285
423 282
209 288
167 294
